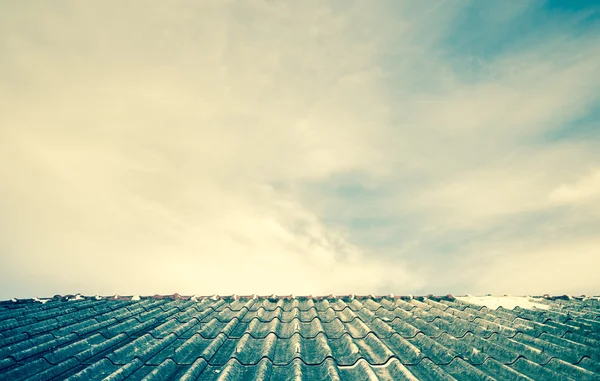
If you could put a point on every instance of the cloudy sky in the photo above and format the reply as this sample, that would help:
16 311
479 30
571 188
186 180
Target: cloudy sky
306 147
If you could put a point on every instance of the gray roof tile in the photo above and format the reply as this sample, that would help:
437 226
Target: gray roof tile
348 338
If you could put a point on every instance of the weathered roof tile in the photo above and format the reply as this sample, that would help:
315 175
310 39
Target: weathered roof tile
347 338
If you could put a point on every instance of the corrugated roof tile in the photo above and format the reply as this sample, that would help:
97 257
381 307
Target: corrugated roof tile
348 338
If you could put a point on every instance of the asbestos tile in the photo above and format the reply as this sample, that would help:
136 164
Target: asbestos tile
337 305
96 349
41 348
356 328
305 329
165 371
394 370
51 313
27 370
289 304
501 372
423 327
326 315
346 315
578 350
249 351
7 363
345 351
11 323
389 315
287 349
366 338
467 348
91 326
214 327
125 371
193 372
404 305
372 349
25 344
168 352
460 327
141 373
209 330
164 328
362 370
264 315
381 328
496 327
54 371
404 328
236 371
142 348
355 305
590 365
333 329
258 329
432 349
265 304
548 348
403 349
507 351
232 304
187 315
18 338
441 305
62 353
426 370
72 328
226 315
368 304
366 315
302 315
130 326
582 339
570 370
314 351
461 370
34 328
197 347
297 370
536 371
191 325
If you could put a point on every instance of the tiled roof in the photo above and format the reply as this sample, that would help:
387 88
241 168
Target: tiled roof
347 338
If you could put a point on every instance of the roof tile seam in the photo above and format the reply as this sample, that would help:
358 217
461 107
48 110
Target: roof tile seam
230 337
298 356
329 337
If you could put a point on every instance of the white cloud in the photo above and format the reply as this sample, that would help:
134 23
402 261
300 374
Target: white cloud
585 189
548 268
169 148
139 148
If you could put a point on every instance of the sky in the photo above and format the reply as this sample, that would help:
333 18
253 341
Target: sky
299 147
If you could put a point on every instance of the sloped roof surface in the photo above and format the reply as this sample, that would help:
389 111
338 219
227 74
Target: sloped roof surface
347 338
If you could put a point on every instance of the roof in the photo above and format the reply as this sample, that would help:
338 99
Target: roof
347 338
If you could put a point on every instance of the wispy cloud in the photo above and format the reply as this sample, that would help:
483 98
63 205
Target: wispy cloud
297 148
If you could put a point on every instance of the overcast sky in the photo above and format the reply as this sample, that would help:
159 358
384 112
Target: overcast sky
306 147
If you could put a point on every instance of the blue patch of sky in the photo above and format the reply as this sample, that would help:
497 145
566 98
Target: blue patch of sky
584 128
485 31
574 6
478 35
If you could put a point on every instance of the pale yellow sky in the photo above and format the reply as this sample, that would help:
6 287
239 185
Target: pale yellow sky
208 147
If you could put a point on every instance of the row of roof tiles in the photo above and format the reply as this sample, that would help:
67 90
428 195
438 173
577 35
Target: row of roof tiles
263 336
350 297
